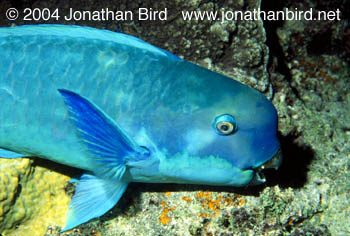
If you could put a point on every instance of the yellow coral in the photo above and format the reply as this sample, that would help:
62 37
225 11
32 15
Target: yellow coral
31 198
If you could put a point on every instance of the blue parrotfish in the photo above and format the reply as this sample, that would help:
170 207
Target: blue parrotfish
123 110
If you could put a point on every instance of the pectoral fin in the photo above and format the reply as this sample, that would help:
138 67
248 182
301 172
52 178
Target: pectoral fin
106 142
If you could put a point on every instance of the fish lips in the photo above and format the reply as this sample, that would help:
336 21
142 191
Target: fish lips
273 163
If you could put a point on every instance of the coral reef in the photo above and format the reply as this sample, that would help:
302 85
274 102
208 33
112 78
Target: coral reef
313 105
31 198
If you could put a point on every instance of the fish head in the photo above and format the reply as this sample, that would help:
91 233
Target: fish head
229 123
245 125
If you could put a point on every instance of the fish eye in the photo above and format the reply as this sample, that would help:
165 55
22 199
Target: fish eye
225 124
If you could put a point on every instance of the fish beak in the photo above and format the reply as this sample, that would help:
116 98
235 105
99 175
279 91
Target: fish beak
274 163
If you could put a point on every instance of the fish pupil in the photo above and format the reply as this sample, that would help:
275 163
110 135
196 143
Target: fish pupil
224 127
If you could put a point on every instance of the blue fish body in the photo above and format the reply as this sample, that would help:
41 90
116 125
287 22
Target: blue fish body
126 111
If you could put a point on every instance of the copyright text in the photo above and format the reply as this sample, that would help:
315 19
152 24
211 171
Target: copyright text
149 14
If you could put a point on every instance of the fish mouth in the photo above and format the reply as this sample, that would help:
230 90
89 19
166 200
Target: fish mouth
273 163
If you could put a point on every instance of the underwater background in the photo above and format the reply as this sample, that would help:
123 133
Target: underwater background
303 66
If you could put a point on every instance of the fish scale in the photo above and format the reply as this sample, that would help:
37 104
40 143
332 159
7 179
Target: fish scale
125 111
64 75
